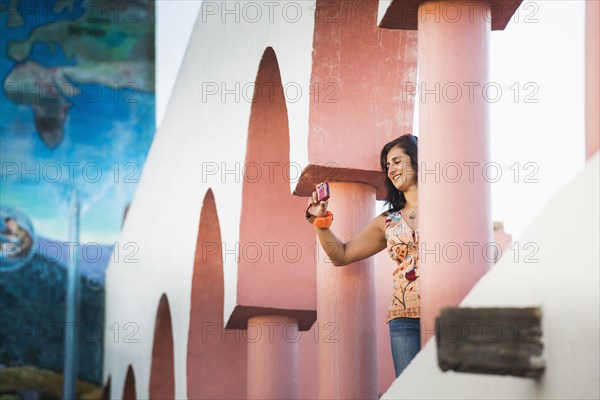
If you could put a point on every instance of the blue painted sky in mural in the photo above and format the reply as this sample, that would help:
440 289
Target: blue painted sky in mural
107 133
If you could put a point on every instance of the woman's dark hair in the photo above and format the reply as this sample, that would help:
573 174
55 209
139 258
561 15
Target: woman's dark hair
395 199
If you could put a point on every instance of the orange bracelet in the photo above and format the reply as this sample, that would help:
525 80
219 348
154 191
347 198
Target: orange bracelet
324 222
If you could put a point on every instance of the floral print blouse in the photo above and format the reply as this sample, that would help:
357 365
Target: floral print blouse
403 247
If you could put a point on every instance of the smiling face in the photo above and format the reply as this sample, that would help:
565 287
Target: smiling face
400 170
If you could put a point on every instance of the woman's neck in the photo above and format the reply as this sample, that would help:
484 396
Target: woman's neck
412 197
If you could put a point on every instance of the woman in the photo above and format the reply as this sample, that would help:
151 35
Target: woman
395 229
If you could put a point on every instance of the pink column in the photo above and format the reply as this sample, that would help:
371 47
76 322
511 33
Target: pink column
272 357
346 304
592 79
454 210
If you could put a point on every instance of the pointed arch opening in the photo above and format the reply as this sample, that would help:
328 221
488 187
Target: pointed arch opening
162 372
129 392
215 357
265 273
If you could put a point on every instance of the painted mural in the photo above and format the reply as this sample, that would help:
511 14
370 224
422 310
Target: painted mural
77 115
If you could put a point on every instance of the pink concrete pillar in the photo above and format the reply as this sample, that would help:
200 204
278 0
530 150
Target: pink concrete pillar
592 78
272 357
347 353
454 204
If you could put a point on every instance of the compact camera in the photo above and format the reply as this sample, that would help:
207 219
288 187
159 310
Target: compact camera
323 191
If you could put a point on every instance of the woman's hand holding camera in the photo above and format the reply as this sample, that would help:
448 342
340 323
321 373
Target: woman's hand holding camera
316 212
316 207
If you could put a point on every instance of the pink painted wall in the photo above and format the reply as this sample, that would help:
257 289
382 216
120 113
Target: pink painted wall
276 266
454 212
307 362
216 357
346 304
359 70
273 358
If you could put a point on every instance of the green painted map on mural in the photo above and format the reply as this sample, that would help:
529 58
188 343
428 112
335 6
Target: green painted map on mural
109 45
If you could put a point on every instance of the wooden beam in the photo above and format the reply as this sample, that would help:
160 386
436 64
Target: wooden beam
496 341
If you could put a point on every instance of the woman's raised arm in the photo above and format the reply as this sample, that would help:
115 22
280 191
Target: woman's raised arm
370 241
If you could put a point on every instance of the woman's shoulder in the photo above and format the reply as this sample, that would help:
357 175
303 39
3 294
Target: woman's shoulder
388 215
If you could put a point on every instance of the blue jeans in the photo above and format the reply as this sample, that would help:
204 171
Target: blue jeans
405 336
